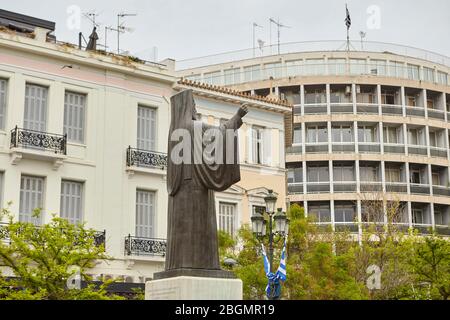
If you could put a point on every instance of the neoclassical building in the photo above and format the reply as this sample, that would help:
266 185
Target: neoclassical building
368 125
83 135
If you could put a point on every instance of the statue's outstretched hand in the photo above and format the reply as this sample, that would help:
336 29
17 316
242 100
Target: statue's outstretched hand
243 111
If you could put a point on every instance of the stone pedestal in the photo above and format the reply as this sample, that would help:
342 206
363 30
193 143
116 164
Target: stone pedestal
194 288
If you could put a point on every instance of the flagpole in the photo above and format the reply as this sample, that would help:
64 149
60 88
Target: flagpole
348 28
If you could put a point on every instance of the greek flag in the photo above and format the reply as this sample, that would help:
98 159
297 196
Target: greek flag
266 261
348 20
281 273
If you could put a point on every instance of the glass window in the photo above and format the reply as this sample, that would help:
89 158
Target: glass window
358 66
320 212
438 218
293 68
316 134
442 78
343 172
436 178
314 66
391 134
428 74
342 133
378 67
393 174
194 77
418 216
273 70
336 66
297 135
415 176
227 218
146 128
415 137
397 69
315 96
145 214
367 134
369 173
257 147
31 199
252 73
72 201
214 78
413 72
3 88
318 174
232 76
295 175
344 213
74 116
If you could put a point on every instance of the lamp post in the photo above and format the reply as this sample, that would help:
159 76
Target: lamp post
277 221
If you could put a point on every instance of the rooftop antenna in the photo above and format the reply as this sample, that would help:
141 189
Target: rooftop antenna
362 34
261 45
279 26
121 28
255 25
92 16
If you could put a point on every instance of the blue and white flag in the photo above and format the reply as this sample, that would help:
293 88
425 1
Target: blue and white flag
266 261
281 273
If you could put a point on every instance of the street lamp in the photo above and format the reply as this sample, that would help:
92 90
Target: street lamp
277 221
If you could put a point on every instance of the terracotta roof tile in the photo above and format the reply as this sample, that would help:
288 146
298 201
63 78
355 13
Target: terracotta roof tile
233 92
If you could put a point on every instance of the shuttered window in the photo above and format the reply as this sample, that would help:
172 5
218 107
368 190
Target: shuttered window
3 86
31 198
74 116
227 218
35 113
72 201
145 214
146 136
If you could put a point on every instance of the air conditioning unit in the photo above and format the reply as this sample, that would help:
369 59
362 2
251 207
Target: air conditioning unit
358 89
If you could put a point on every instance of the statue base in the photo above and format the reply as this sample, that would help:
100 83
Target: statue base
202 273
194 288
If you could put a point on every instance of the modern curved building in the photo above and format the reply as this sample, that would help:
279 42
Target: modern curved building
368 125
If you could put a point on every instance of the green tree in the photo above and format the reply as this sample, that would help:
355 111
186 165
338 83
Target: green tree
42 259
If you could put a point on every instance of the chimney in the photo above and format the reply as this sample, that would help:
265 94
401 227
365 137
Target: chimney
40 34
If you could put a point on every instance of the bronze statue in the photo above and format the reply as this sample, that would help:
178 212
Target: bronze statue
192 247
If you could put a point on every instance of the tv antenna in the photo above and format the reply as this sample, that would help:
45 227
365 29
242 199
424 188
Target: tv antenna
92 17
121 28
279 26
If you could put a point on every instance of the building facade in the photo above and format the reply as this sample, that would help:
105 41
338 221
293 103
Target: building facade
83 136
368 126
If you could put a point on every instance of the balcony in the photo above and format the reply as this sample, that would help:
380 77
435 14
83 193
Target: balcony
394 148
415 111
367 147
295 188
346 227
441 191
344 186
443 230
39 145
137 246
297 110
146 159
320 147
320 108
343 147
420 188
294 150
367 108
371 186
396 187
99 236
436 114
318 187
392 109
418 150
438 152
338 108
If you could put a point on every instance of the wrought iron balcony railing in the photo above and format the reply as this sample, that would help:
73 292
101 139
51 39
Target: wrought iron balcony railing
38 140
147 159
138 246
99 236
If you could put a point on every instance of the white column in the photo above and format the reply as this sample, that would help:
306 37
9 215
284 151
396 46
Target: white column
249 144
355 110
328 99
302 99
403 98
358 178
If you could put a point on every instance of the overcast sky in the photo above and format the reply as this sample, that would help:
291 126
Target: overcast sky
191 28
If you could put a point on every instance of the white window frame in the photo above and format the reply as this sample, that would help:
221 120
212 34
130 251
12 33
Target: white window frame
36 107
29 190
75 116
145 214
342 128
227 222
3 102
147 127
72 201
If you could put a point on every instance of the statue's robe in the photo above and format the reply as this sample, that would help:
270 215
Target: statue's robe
192 226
